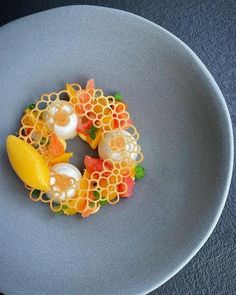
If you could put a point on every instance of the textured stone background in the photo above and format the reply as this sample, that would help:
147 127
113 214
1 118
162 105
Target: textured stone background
209 28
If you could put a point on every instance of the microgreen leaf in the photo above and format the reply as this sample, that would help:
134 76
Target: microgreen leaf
139 172
92 132
103 202
93 128
31 106
118 96
92 135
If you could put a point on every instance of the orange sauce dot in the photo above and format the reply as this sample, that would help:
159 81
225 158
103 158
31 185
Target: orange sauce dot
63 182
118 143
61 117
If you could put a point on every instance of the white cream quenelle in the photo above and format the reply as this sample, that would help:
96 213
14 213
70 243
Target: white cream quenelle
62 118
117 146
64 181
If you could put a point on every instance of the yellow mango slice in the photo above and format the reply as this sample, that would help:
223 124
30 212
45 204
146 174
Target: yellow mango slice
28 164
92 142
64 158
82 136
71 90
84 183
75 206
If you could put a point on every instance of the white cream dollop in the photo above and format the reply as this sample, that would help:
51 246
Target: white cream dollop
62 117
58 185
130 148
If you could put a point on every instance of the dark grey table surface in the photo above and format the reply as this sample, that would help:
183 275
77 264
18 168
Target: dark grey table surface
209 28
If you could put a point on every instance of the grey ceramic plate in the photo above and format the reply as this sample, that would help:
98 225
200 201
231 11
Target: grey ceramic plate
186 135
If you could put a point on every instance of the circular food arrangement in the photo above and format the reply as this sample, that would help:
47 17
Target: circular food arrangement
40 158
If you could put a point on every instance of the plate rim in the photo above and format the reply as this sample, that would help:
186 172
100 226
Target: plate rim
225 112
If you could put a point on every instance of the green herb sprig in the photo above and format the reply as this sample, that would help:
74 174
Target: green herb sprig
92 132
118 96
103 202
31 106
139 172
